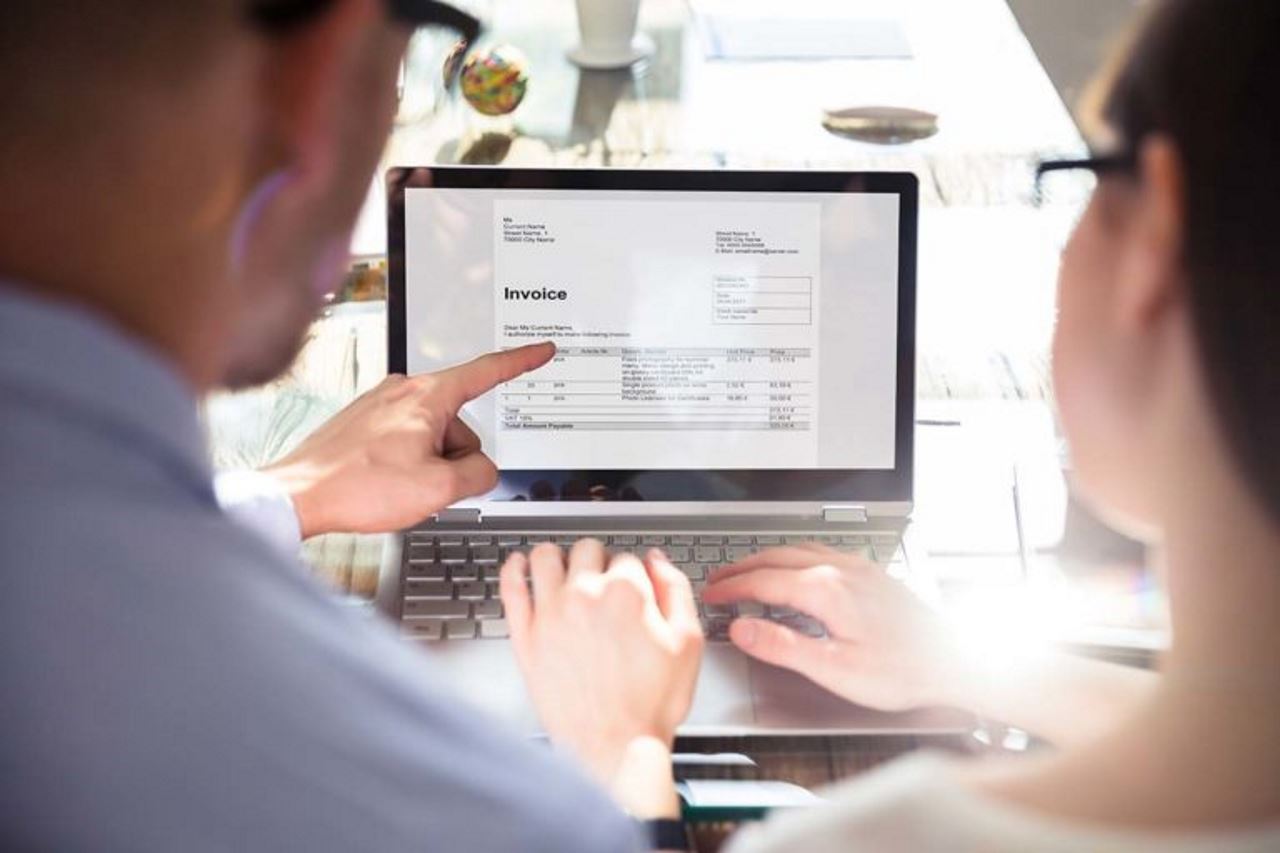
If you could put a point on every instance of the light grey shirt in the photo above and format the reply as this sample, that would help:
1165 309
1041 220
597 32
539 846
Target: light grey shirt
170 680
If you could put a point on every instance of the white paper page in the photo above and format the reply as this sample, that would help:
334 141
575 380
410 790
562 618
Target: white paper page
691 344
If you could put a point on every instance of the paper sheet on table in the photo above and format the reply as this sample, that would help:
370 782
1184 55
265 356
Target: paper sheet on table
804 31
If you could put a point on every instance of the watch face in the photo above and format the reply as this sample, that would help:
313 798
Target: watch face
665 834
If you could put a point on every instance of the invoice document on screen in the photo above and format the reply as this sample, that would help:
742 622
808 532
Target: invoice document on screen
687 334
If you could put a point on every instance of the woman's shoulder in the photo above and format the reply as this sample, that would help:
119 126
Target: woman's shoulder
888 808
922 803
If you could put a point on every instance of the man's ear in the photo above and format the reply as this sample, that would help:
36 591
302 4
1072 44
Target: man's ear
1152 279
306 78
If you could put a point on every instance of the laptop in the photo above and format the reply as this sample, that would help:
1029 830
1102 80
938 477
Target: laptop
735 371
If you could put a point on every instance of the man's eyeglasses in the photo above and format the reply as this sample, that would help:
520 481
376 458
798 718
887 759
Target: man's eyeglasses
283 15
1125 163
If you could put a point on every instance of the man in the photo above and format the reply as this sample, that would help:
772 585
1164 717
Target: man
179 180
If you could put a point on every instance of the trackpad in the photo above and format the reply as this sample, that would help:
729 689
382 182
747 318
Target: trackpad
484 674
723 697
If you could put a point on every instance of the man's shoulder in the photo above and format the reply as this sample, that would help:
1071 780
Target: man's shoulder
221 680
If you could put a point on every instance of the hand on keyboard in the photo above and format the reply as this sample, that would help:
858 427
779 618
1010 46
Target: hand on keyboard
884 647
399 452
609 648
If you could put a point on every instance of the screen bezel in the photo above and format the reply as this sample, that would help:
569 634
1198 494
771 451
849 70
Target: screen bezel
772 485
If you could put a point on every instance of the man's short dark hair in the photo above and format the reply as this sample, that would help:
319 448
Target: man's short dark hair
61 57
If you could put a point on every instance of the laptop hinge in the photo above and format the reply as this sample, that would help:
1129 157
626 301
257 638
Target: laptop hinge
459 515
844 514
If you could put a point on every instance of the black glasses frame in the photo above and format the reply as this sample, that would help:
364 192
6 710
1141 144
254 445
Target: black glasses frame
1106 164
278 16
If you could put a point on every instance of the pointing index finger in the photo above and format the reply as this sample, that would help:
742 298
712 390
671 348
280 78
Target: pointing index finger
481 375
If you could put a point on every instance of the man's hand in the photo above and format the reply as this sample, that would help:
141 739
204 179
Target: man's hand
399 452
611 657
885 648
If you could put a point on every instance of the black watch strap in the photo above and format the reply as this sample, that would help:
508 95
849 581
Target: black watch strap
664 834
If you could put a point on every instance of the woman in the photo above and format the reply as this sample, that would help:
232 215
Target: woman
1167 371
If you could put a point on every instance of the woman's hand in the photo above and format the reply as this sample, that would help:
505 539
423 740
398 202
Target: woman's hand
610 649
885 648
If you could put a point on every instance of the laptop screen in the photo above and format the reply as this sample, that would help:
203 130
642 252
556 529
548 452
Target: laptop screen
716 339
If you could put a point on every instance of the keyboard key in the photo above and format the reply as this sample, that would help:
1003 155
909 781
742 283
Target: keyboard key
453 553
797 540
884 539
680 554
752 609
492 590
715 610
460 629
487 610
450 539
464 573
769 541
625 541
474 591
473 541
537 539
566 540
510 540
829 541
491 573
653 539
426 571
694 571
741 540
414 588
494 629
734 553
436 609
708 555
710 540
805 625
417 537
716 630
422 553
855 540
888 554
682 539
484 553
423 629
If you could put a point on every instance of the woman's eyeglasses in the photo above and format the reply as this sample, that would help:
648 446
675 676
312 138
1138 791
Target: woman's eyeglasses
1125 163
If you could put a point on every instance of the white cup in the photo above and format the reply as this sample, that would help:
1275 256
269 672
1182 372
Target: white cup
607 27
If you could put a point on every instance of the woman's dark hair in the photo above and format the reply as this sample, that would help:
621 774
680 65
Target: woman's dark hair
1206 73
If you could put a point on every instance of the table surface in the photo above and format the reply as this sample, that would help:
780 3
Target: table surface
988 257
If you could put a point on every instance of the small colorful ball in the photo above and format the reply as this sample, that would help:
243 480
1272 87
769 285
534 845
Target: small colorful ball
494 81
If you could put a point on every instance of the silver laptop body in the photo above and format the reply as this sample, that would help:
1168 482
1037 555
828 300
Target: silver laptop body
439 580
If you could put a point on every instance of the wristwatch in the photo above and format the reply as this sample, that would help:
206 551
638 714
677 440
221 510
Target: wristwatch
664 834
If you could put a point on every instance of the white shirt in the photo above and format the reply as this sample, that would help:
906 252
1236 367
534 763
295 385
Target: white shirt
919 805
258 502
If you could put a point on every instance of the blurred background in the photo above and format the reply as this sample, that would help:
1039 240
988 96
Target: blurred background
966 94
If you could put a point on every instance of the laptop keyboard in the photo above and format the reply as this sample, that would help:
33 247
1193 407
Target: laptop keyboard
451 580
